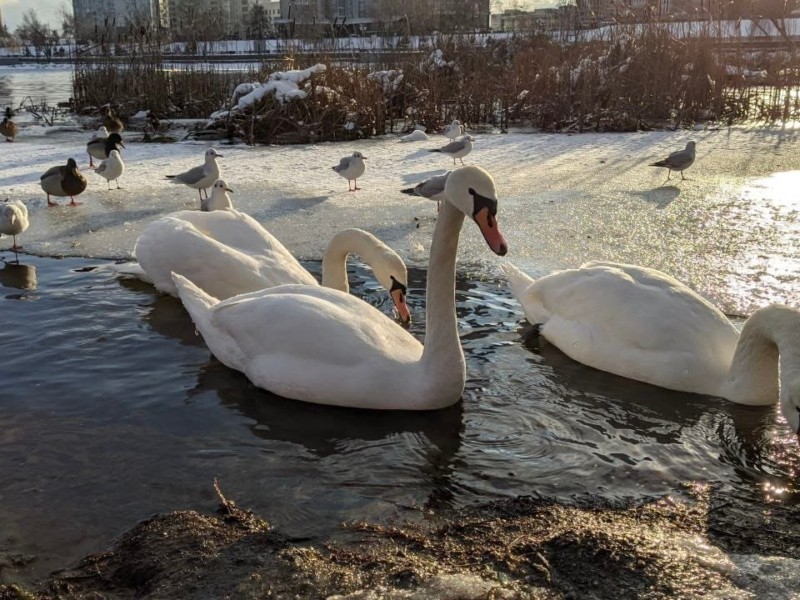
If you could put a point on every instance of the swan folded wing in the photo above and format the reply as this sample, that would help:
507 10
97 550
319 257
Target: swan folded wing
318 345
632 320
242 232
198 246
677 369
173 245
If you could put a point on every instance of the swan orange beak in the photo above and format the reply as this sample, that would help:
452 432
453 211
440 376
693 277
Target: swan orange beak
491 231
399 299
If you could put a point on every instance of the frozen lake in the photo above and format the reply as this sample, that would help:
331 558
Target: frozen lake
42 83
113 409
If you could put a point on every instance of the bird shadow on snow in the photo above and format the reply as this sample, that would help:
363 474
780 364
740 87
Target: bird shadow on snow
286 206
418 153
409 178
660 196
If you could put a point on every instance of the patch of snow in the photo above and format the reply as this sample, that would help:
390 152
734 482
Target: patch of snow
283 84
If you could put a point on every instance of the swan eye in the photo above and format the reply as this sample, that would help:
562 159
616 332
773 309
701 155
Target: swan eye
480 202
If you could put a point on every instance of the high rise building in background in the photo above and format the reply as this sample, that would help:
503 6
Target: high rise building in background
220 19
415 14
115 16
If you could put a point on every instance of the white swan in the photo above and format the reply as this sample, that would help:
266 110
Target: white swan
228 253
645 325
321 345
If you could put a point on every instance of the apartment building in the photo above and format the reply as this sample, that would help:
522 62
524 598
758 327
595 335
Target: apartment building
118 14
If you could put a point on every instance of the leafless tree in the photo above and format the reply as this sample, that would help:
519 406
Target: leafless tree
39 34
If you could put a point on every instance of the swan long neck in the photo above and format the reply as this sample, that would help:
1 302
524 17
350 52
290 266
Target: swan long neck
344 243
768 353
442 344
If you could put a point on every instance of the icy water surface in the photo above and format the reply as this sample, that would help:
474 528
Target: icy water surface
42 83
112 409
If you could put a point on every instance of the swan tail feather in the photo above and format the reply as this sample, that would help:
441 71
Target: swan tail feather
517 280
520 284
197 302
200 305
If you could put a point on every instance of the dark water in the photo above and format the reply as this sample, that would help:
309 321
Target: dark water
111 409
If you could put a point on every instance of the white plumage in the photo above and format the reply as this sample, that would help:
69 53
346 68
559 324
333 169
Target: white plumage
351 168
219 199
111 169
321 345
227 253
13 220
645 325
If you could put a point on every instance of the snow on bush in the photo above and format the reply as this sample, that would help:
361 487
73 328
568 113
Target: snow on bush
283 84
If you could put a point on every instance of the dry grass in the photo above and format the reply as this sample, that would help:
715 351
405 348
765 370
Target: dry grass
638 77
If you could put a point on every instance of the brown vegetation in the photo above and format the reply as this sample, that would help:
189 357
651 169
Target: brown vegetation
640 76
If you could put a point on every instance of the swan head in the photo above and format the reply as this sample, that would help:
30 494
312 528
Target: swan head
471 190
790 404
398 288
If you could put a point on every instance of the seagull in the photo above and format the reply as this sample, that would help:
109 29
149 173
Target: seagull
351 168
453 130
458 149
201 177
101 147
13 220
431 188
111 168
63 180
678 161
101 132
219 197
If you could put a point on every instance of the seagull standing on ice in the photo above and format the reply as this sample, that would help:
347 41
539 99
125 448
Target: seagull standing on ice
431 188
678 161
351 168
111 168
219 197
13 220
202 177
453 130
458 149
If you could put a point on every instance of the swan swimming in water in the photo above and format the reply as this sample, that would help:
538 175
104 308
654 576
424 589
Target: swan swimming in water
642 324
228 253
321 345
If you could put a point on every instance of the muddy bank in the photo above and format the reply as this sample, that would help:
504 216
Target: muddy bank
691 545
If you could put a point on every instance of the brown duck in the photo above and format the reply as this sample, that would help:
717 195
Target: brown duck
8 128
63 181
110 122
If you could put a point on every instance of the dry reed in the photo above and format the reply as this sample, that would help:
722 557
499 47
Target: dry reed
632 77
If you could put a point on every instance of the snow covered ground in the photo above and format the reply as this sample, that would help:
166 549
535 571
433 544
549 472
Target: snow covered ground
732 230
